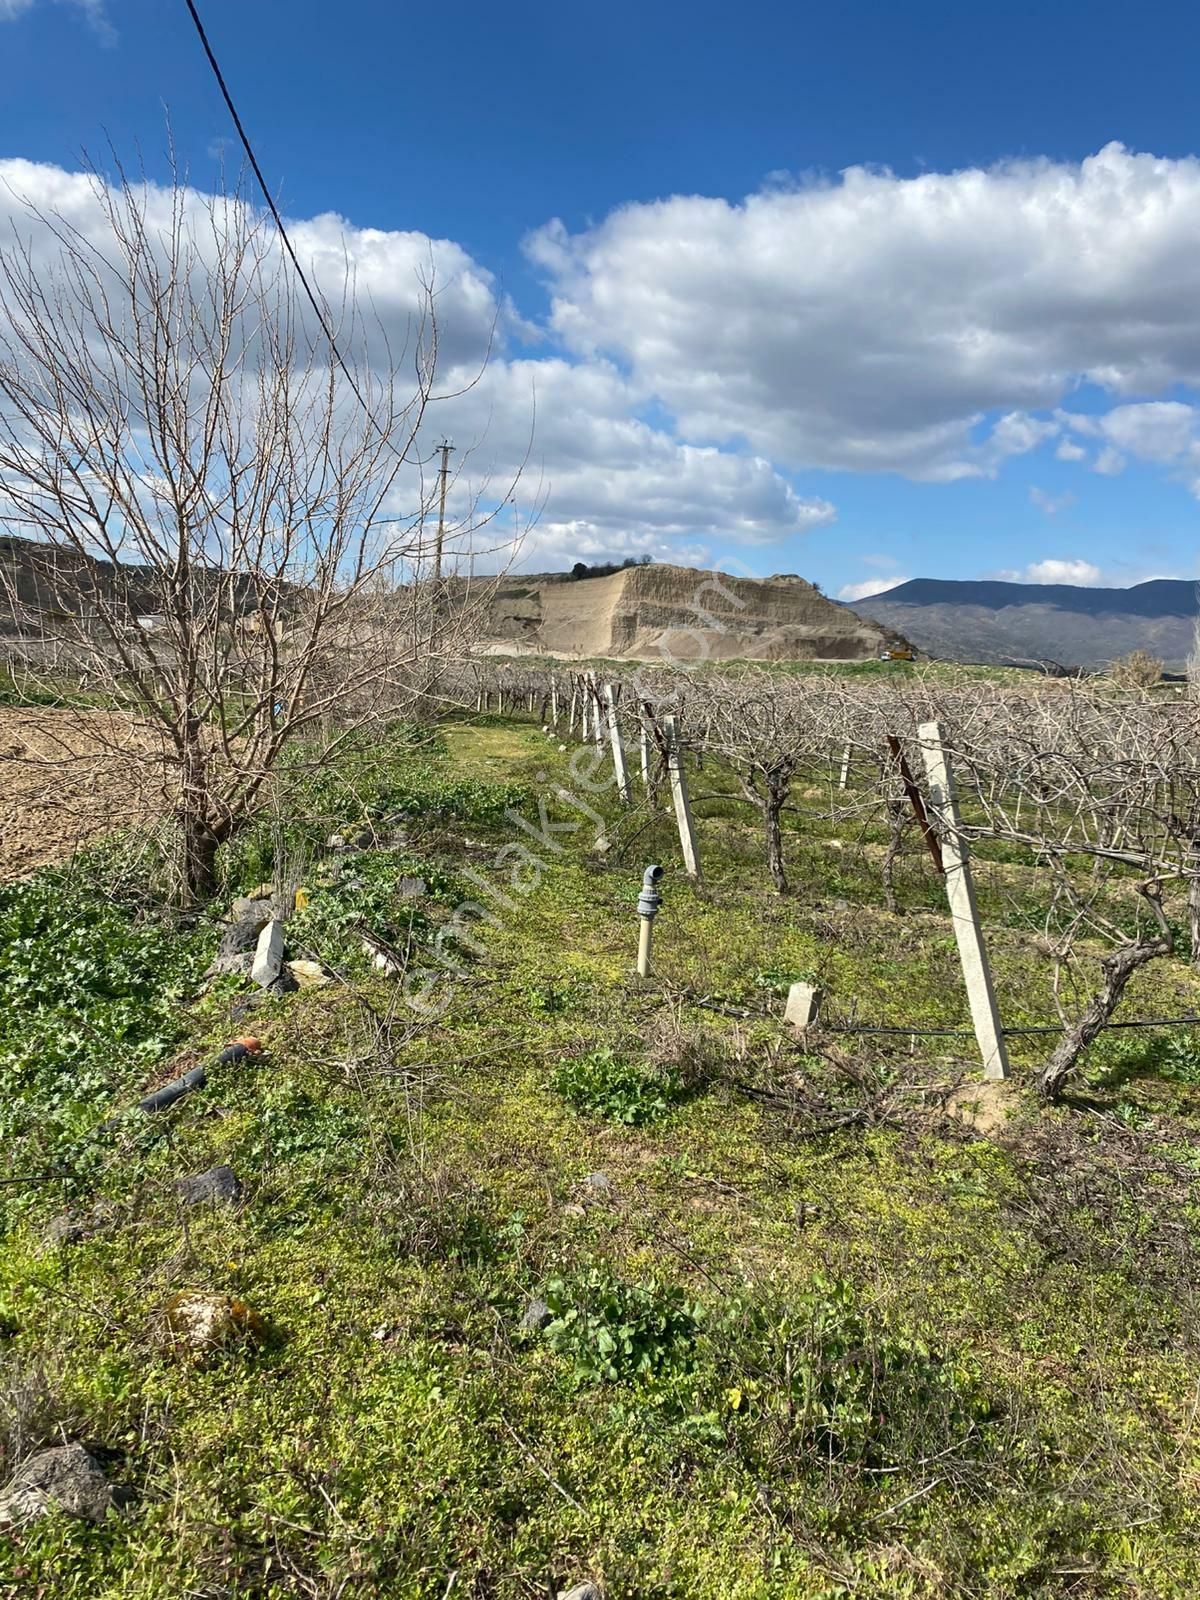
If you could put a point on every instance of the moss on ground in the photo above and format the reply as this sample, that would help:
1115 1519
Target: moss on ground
804 1335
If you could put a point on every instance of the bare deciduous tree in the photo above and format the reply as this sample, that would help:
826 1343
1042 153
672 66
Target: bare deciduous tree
204 474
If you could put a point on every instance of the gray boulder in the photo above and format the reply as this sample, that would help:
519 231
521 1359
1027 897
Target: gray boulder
220 1184
235 953
244 909
67 1476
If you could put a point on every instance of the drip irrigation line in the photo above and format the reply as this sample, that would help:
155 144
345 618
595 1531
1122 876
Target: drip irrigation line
919 1031
968 1033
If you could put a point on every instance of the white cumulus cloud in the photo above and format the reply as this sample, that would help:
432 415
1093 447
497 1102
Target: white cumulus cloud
567 440
875 322
869 586
1057 569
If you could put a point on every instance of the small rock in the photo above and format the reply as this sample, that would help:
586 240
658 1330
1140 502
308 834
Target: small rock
232 966
308 974
412 888
262 891
235 953
336 841
582 1591
573 1211
249 909
598 1182
208 1321
537 1315
67 1476
217 1184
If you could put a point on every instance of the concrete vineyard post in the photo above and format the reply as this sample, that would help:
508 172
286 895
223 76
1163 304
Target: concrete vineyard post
964 912
617 743
644 751
844 774
572 709
554 703
679 795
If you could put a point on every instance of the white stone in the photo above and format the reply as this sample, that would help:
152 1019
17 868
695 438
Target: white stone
268 957
803 1003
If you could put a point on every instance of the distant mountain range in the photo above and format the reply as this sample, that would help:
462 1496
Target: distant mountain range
1024 622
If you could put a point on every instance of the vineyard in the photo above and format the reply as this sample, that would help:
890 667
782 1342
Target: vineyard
544 1278
1079 809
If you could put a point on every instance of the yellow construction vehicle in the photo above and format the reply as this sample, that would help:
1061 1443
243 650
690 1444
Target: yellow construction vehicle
898 652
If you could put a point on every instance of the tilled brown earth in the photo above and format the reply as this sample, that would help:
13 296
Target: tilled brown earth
67 778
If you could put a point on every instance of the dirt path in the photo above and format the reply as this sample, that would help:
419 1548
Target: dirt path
66 779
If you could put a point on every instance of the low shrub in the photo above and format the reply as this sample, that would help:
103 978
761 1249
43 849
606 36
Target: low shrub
605 1084
611 1330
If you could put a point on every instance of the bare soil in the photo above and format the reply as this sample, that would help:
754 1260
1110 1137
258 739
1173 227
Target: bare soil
67 778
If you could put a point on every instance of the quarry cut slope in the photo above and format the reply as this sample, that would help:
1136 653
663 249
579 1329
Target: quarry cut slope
680 614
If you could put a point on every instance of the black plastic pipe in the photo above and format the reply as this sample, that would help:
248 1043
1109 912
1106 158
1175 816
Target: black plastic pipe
175 1090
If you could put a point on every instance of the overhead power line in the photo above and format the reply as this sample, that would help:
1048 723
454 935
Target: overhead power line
274 210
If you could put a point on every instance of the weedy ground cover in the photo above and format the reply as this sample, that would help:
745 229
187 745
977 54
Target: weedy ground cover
578 1276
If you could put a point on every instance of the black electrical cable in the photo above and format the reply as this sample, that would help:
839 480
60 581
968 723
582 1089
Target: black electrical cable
274 210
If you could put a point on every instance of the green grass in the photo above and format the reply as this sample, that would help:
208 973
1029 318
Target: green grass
810 1338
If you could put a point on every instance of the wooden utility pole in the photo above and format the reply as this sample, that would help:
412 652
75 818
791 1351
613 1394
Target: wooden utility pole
443 476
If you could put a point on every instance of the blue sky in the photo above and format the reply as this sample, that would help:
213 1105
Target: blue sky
862 291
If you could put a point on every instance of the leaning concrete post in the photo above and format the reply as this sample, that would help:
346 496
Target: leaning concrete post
679 794
844 775
617 743
554 703
644 751
574 705
960 892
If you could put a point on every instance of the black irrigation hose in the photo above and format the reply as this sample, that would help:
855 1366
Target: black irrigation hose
947 1033
968 1033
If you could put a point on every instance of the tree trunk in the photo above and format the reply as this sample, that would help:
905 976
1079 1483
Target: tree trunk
1119 966
772 806
200 843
